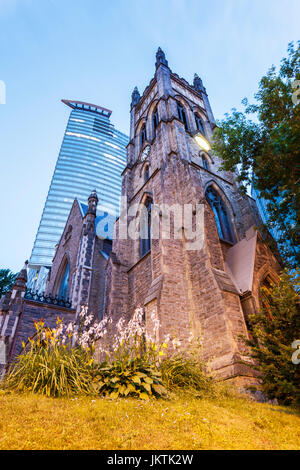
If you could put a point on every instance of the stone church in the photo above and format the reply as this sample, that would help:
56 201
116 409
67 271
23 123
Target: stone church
208 291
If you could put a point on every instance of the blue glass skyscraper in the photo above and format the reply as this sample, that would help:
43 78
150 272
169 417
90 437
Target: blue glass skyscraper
262 207
92 156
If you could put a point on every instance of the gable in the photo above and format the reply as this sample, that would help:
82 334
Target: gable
68 245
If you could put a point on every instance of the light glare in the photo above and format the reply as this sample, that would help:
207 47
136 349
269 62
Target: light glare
202 142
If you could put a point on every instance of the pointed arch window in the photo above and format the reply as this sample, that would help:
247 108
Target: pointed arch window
146 173
199 123
265 296
63 287
205 163
182 115
143 135
222 218
145 228
155 120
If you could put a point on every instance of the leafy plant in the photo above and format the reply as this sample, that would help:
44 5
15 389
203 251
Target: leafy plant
7 279
61 361
133 378
275 327
266 149
132 362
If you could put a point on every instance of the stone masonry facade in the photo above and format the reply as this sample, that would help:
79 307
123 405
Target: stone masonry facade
208 291
205 291
18 316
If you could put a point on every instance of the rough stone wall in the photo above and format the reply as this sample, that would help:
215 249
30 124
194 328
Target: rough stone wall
34 311
139 280
179 284
97 287
265 265
189 290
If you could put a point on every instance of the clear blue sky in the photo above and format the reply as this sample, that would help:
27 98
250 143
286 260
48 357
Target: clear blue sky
97 51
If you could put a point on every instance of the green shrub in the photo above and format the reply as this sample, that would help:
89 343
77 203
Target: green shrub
274 329
183 370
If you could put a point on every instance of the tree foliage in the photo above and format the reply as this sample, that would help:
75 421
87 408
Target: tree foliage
275 328
7 279
266 148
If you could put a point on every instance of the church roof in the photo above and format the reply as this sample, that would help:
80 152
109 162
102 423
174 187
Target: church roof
240 261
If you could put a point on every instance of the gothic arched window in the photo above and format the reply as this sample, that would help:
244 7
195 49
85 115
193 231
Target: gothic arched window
143 135
265 296
63 287
146 173
199 123
182 115
145 228
155 120
205 162
221 215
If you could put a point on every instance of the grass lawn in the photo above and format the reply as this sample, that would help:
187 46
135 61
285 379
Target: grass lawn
37 422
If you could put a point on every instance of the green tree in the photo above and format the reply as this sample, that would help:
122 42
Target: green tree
266 148
7 279
274 330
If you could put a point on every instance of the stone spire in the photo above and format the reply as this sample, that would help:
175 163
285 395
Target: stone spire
85 257
160 58
92 202
198 85
135 97
21 279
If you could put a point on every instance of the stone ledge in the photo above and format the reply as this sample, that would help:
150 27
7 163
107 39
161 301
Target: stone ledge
48 306
224 282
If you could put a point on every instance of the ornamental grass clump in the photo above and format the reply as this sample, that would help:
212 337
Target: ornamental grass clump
51 365
185 369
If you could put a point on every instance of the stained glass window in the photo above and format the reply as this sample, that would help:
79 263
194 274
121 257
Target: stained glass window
63 288
199 123
205 162
143 135
155 120
145 229
182 115
222 219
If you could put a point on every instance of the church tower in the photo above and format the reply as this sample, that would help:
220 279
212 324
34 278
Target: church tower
172 186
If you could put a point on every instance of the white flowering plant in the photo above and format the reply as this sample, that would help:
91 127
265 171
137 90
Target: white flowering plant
61 361
130 364
133 362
